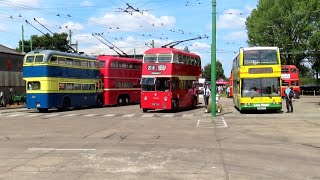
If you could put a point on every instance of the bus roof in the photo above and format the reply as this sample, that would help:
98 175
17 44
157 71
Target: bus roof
289 66
108 57
49 53
259 48
169 51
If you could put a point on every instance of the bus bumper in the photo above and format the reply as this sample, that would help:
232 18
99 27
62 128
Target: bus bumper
260 106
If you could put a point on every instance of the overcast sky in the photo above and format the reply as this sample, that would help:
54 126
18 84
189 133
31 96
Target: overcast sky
132 23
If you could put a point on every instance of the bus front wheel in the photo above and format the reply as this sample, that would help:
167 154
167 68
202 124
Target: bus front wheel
120 101
144 110
175 105
296 94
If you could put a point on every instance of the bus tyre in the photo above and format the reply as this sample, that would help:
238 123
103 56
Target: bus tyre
99 102
296 95
144 110
194 103
120 101
175 105
43 110
66 104
127 100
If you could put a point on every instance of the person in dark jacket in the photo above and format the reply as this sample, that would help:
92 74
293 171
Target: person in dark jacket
289 95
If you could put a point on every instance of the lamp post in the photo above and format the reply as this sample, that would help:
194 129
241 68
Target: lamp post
213 60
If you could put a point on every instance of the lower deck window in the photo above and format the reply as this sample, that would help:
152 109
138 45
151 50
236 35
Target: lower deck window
33 85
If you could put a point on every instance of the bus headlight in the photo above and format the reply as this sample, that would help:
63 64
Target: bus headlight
165 98
145 98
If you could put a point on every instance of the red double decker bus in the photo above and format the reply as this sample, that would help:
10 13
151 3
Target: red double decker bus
290 77
230 86
169 79
121 79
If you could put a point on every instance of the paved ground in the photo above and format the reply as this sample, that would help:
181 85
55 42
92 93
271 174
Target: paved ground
124 143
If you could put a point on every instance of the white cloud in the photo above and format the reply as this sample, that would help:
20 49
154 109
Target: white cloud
231 19
86 3
70 25
134 22
236 35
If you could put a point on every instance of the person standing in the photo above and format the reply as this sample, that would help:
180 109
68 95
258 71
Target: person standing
289 96
206 95
228 91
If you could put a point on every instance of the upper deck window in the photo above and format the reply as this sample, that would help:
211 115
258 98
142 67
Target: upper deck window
54 60
164 58
102 64
39 59
292 70
29 59
261 57
150 58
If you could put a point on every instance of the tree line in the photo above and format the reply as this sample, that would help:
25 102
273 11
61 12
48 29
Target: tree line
291 25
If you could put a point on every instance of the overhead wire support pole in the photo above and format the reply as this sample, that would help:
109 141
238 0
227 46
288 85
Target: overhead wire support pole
110 47
213 59
125 54
172 44
42 25
35 27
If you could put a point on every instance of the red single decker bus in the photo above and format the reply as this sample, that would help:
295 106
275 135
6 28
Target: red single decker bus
290 77
169 79
121 79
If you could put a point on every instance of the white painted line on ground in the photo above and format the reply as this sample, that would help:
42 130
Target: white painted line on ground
54 149
34 115
15 115
128 115
109 115
52 115
90 115
187 115
198 123
221 123
147 115
69 115
168 115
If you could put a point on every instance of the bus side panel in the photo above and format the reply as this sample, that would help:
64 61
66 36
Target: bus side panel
54 100
56 71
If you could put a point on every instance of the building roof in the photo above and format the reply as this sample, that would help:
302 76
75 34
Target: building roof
4 49
107 51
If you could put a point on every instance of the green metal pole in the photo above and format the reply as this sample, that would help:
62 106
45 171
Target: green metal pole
70 34
213 60
134 53
22 42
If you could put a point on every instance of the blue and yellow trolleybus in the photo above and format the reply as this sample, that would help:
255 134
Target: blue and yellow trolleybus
61 80
256 75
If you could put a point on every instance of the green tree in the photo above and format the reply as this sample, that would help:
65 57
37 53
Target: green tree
46 41
206 72
288 24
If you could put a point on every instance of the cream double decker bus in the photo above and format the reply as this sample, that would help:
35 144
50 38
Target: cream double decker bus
256 75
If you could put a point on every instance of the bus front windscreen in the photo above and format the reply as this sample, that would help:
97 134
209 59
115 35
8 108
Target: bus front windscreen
260 87
148 84
260 57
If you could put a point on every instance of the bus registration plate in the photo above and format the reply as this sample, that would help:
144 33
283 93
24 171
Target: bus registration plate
261 108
